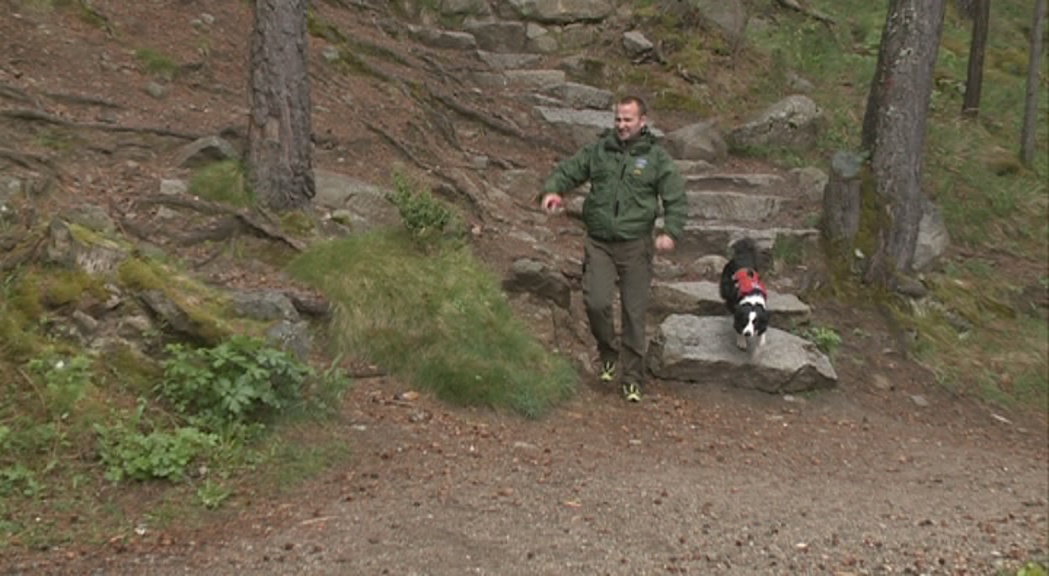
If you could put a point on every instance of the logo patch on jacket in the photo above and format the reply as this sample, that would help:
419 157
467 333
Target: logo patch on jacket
639 165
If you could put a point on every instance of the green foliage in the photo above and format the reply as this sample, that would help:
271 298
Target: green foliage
66 379
470 350
423 215
156 63
222 182
239 381
130 454
826 339
212 494
1031 569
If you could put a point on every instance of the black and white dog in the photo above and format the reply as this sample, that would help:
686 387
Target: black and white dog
744 293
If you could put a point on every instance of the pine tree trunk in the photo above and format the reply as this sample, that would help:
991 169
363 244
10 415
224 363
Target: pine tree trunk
842 204
279 130
894 128
1031 99
977 46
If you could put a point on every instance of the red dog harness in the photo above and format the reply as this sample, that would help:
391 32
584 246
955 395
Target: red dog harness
748 282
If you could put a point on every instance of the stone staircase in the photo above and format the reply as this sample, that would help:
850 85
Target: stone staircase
692 336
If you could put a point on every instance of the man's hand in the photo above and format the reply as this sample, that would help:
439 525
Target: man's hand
664 243
552 203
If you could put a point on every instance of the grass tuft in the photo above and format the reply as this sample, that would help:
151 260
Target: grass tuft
436 319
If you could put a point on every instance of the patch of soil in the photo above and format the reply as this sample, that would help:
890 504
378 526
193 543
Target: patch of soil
888 473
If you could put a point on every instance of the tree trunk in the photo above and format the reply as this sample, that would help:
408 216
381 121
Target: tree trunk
1031 99
974 80
894 128
280 159
842 204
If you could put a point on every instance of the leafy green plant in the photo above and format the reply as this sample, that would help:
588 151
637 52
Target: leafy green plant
239 381
826 339
424 216
66 380
129 454
18 479
212 494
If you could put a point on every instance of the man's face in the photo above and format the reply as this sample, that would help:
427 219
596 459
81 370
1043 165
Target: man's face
629 121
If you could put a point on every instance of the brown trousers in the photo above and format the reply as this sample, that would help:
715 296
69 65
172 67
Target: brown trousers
628 267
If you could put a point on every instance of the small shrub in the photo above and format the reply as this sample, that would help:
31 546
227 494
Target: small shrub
826 339
424 216
239 381
129 454
212 494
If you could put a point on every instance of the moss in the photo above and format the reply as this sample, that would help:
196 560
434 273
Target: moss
61 287
297 223
138 274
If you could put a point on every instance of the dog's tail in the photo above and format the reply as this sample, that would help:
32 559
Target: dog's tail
745 253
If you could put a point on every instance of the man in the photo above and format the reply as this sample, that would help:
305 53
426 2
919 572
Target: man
629 174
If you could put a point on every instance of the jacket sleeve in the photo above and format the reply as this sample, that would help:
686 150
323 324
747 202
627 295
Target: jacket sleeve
671 189
569 173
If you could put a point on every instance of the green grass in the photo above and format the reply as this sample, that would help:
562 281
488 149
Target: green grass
222 182
436 319
157 63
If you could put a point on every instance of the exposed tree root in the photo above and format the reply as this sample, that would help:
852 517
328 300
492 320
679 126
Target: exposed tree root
228 227
33 115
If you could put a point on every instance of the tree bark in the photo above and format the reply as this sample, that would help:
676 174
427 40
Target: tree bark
977 47
1031 99
280 156
842 204
894 128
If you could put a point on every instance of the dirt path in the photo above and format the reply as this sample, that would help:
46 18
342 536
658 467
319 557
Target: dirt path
693 480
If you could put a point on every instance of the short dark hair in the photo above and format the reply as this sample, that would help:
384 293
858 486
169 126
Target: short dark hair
642 108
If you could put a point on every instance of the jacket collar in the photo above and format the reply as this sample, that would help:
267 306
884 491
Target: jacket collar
640 145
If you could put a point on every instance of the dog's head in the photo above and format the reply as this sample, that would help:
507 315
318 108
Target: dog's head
751 317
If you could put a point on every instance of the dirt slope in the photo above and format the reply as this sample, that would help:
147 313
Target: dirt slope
887 474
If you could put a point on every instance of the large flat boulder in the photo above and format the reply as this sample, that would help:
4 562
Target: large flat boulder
703 350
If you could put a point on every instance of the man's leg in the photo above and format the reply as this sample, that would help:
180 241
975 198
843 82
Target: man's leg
634 262
599 282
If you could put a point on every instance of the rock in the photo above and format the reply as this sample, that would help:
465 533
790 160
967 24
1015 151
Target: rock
636 45
704 299
535 277
703 350
699 141
292 337
204 151
264 305
794 121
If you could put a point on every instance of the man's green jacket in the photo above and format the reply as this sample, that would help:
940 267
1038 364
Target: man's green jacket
627 181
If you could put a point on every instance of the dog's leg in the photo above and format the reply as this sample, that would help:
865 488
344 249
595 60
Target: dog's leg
761 340
741 342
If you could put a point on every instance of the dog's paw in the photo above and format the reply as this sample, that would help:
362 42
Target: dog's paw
741 342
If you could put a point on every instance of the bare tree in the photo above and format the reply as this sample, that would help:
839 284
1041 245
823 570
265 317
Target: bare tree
1031 98
894 130
279 129
981 17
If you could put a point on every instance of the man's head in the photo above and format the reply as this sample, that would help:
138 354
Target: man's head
630 117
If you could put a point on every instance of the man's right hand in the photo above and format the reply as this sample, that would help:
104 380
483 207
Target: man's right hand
552 203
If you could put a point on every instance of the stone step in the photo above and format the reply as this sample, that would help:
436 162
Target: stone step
702 238
728 205
703 350
703 298
742 182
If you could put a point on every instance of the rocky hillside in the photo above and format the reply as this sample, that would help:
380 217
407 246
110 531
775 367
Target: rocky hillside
108 108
